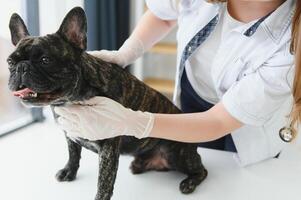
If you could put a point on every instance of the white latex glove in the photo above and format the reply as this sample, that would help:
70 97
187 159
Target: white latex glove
101 118
131 50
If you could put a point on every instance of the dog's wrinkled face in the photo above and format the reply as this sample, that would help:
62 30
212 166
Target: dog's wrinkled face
45 70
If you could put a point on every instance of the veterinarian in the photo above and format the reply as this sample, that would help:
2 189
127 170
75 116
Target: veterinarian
234 79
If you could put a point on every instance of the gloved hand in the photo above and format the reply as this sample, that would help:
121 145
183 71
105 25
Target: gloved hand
101 118
131 50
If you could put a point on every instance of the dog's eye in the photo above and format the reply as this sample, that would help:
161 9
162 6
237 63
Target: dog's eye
10 61
45 60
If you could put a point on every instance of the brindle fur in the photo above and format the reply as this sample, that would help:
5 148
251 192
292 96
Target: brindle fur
73 76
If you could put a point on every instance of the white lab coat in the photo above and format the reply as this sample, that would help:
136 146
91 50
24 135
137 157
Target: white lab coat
252 75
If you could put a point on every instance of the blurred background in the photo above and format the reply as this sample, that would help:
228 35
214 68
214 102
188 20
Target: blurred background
109 25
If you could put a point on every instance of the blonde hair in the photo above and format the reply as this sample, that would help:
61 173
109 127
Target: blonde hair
295 114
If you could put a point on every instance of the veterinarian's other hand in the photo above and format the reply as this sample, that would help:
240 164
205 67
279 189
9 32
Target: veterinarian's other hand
101 118
127 54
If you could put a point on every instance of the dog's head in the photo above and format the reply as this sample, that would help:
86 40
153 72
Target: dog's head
45 70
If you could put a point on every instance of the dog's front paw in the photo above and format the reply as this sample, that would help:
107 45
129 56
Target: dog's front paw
188 185
66 174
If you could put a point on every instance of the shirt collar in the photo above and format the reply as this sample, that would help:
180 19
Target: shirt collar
280 20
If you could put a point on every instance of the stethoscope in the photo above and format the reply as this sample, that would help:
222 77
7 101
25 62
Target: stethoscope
287 133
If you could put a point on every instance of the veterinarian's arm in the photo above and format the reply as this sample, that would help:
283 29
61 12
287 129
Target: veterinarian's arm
149 30
102 118
196 127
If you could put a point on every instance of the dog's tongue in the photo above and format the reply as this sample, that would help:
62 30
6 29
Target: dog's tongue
22 93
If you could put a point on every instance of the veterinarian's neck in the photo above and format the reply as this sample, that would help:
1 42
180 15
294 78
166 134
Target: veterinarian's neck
247 11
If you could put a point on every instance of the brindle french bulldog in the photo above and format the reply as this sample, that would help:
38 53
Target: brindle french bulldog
55 70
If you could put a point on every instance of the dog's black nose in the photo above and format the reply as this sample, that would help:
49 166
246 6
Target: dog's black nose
23 67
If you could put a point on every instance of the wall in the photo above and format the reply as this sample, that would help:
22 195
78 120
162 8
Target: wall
52 13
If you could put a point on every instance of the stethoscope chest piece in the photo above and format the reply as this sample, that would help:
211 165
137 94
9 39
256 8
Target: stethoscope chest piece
286 134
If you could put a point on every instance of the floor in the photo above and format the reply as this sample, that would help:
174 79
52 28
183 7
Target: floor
30 158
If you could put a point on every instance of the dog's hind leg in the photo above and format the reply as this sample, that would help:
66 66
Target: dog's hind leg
139 164
108 166
150 160
68 173
189 162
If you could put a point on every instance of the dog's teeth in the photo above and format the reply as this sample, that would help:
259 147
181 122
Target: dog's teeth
33 95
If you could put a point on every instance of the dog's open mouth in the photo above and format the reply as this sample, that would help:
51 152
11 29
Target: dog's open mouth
28 94
25 93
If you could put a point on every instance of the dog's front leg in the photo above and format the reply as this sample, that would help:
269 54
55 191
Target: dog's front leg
108 166
68 173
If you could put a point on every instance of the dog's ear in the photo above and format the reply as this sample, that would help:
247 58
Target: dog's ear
74 28
17 28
